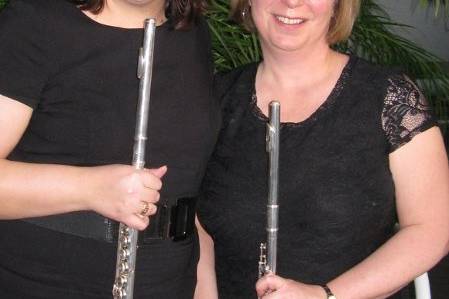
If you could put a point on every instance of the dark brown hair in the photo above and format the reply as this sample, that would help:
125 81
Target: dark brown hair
181 13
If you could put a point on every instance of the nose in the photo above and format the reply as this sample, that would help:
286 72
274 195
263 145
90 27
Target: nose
293 3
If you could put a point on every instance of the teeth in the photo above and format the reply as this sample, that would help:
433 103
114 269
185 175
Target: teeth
289 21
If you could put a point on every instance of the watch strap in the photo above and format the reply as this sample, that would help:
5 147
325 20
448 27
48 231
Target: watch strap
328 291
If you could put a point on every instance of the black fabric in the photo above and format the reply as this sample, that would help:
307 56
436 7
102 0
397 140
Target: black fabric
79 76
336 195
37 263
406 111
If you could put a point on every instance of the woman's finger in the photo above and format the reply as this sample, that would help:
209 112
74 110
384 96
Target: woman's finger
147 209
271 295
149 195
137 222
268 284
151 178
159 172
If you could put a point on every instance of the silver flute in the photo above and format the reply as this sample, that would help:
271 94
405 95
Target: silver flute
127 238
268 250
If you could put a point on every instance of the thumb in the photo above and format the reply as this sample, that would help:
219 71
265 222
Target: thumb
269 283
159 172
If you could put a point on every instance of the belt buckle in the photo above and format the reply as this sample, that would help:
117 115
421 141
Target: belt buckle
175 222
182 219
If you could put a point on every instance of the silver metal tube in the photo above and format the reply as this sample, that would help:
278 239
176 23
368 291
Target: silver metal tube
127 240
268 251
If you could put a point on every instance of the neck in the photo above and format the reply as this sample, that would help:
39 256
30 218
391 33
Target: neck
128 15
285 67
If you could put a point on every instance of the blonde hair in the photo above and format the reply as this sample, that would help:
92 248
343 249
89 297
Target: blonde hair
340 28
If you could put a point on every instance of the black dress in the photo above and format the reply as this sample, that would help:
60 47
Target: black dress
79 77
337 201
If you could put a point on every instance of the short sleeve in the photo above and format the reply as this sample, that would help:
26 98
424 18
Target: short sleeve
406 112
24 58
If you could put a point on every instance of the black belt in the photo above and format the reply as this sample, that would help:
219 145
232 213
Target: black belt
175 222
171 222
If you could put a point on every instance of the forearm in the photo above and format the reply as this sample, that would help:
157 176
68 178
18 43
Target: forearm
412 251
422 204
30 190
206 287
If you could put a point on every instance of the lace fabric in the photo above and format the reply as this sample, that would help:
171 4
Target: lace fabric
406 111
330 100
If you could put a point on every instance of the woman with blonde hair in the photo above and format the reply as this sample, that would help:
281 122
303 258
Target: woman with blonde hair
359 151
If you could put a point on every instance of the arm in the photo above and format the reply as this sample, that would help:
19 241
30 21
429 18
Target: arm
30 190
421 175
206 287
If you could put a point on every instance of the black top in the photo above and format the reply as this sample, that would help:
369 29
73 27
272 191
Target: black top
336 199
79 76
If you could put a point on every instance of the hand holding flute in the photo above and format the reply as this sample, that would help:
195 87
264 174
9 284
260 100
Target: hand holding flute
120 192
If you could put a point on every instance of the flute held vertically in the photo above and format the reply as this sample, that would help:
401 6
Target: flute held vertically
268 250
127 239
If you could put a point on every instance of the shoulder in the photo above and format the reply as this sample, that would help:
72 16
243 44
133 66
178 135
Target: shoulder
23 5
36 7
392 101
36 23
201 23
234 91
404 110
201 30
366 73
240 78
199 27
378 83
400 85
34 14
392 83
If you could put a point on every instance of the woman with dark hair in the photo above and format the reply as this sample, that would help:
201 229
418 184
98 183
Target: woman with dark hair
68 98
359 151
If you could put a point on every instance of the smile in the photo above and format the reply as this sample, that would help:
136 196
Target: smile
289 21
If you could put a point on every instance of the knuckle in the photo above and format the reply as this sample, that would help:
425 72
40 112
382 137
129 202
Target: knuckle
157 186
121 208
156 183
153 197
143 225
156 197
129 222
153 210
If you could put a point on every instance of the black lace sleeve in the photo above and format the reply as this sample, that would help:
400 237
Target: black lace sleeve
406 112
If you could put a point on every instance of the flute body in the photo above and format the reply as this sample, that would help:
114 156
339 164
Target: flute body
268 250
127 238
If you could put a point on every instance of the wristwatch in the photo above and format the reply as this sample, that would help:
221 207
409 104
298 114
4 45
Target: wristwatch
328 291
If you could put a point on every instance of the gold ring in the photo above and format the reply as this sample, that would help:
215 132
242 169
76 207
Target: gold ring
145 209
